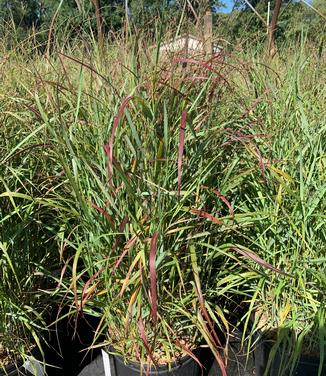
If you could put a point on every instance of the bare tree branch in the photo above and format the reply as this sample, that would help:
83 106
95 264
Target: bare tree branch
99 23
272 28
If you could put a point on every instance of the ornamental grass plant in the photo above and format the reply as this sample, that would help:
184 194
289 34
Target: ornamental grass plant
292 237
147 177
179 197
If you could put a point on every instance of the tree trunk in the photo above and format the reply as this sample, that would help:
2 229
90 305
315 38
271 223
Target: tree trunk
126 20
272 28
208 33
99 23
203 6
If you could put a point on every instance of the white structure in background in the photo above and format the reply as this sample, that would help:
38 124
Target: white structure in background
188 44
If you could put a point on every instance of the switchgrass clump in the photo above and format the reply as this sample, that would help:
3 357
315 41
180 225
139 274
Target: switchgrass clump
146 174
180 197
290 309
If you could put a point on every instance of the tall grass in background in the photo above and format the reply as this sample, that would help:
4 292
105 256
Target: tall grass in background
293 238
224 159
28 249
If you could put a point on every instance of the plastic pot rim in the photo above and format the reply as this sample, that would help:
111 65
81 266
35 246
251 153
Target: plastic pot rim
135 366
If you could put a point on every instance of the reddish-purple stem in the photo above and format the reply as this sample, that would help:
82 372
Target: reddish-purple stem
223 199
126 248
143 336
103 212
203 214
251 255
109 147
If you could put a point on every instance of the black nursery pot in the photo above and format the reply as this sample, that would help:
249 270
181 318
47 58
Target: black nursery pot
186 366
12 369
64 348
306 366
15 369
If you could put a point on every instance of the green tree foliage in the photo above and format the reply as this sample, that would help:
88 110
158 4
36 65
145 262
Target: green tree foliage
38 13
295 19
320 5
31 15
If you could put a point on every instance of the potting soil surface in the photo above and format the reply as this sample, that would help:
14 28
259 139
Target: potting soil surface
236 365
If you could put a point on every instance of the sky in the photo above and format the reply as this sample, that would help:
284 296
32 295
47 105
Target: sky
229 5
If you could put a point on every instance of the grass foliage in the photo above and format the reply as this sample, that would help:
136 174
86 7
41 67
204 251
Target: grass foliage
179 198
